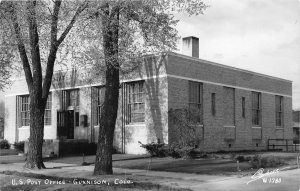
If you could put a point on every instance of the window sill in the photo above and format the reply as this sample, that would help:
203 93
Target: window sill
136 124
24 127
229 126
279 128
256 127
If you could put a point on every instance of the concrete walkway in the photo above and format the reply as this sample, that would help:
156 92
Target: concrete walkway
289 179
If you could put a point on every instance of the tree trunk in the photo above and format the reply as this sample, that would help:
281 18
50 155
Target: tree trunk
103 163
34 156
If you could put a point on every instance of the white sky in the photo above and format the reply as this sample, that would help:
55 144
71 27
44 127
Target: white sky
258 35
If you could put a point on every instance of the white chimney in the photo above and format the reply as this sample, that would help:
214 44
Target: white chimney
190 46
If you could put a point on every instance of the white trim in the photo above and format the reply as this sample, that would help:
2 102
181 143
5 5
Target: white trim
24 127
144 78
231 86
226 66
256 127
230 126
27 127
136 125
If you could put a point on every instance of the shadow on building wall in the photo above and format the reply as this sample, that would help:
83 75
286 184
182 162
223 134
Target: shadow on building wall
156 96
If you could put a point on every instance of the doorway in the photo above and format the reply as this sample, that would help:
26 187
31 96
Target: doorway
65 124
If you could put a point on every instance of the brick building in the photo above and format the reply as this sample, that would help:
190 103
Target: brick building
238 109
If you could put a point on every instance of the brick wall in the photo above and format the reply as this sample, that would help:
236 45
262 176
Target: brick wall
217 135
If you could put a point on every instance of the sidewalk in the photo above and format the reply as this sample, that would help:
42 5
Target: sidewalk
290 178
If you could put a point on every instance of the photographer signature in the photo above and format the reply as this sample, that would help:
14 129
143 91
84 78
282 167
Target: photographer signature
260 174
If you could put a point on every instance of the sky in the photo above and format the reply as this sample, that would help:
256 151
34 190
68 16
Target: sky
258 35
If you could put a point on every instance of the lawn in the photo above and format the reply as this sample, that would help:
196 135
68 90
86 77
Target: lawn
4 152
199 166
220 164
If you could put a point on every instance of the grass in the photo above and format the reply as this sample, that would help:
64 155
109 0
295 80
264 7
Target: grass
4 152
212 167
220 164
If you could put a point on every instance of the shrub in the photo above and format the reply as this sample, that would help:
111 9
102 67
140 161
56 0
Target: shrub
263 162
256 161
19 146
240 158
185 152
4 144
155 149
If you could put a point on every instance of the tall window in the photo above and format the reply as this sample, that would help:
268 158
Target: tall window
256 108
213 104
243 107
229 106
25 115
73 97
195 99
136 103
25 112
47 115
100 101
278 110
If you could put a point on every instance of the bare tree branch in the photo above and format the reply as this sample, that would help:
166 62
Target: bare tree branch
21 46
67 30
55 43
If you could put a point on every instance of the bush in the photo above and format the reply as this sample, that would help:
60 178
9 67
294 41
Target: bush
19 146
185 152
155 149
240 158
263 162
4 144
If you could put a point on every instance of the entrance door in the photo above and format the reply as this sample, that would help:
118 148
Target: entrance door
65 124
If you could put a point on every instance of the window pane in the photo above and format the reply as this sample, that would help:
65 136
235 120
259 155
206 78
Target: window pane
278 110
256 108
195 99
136 103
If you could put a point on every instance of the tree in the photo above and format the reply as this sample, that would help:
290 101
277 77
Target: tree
34 31
128 30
